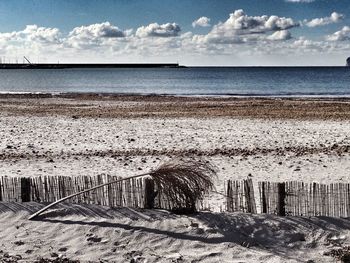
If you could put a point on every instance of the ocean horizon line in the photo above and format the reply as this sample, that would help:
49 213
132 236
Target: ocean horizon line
193 95
160 65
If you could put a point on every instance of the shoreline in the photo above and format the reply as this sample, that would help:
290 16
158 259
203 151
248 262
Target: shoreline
77 94
106 105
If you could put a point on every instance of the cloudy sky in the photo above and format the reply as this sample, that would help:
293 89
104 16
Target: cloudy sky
197 32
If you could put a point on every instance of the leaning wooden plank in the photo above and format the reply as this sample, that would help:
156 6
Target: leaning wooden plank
76 194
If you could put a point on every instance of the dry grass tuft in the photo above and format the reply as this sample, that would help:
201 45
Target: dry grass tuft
184 182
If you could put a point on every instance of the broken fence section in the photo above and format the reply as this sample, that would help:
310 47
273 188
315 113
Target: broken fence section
136 193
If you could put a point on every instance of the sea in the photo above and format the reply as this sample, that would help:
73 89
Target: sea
191 81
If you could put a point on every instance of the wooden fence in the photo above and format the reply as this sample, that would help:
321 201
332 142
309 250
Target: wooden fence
240 196
303 199
287 198
141 193
290 198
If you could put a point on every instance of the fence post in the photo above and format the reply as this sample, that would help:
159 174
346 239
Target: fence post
229 195
263 196
25 189
149 193
281 205
0 190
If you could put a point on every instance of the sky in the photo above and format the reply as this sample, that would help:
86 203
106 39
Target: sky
197 32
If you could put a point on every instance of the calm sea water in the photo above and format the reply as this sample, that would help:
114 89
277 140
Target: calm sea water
250 81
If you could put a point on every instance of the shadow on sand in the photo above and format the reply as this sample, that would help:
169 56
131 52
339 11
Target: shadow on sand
271 233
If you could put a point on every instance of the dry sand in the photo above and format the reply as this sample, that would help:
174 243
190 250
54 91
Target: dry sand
266 139
99 234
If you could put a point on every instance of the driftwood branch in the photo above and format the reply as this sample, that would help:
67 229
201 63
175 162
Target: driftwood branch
181 181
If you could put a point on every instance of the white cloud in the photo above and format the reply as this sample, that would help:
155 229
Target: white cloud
156 30
102 30
241 38
202 22
240 28
41 34
95 35
32 39
341 35
240 23
43 41
302 44
333 18
33 34
280 35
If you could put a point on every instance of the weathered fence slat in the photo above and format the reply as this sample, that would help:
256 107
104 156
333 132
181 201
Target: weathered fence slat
240 196
0 190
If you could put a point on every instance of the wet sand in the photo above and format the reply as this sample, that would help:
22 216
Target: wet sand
134 106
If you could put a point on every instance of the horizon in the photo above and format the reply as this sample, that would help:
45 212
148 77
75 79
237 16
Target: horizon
179 65
206 33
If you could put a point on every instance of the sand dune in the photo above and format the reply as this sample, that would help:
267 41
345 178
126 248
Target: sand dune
101 234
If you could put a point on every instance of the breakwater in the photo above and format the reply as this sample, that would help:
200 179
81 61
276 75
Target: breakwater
87 65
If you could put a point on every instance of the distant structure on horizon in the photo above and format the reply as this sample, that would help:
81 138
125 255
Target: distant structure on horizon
30 65
27 64
348 62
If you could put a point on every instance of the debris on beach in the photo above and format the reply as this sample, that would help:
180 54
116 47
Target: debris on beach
342 254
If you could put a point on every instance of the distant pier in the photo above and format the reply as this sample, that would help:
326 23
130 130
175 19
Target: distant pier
87 65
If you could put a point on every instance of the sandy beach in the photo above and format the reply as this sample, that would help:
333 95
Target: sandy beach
261 138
